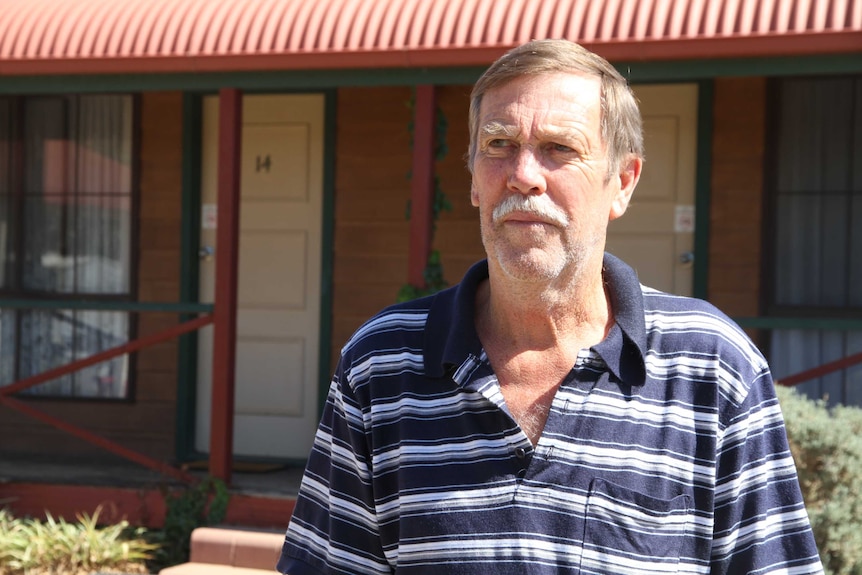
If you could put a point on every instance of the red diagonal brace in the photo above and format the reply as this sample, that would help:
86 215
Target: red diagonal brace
822 370
129 347
99 441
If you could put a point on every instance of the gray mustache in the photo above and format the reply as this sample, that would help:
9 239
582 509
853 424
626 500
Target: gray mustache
539 206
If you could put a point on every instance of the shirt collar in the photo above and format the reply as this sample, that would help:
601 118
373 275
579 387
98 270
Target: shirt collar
450 333
624 352
451 339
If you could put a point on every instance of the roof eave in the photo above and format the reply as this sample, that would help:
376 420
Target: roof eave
713 47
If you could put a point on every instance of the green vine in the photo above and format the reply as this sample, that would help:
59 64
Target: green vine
433 273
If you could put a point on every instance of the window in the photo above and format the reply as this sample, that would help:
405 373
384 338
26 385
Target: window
65 235
817 239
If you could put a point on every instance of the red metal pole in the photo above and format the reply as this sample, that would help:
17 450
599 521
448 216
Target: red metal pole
422 185
226 281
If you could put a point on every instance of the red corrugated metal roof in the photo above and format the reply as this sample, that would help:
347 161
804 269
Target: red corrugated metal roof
104 36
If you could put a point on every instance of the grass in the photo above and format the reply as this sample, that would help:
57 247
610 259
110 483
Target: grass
56 547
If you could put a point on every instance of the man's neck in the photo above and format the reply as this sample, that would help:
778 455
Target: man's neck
534 316
533 334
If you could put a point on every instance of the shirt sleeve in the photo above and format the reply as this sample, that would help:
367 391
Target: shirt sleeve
334 529
761 525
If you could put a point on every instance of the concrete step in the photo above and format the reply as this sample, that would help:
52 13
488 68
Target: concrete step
211 569
230 551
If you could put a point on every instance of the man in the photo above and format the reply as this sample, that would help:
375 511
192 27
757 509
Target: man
549 414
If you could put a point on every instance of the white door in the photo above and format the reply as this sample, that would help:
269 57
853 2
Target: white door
279 274
656 234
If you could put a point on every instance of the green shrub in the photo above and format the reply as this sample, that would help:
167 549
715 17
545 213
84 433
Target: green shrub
199 505
827 447
55 547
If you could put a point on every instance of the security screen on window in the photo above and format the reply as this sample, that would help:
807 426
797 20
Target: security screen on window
65 236
817 195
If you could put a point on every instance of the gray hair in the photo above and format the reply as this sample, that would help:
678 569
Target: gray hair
621 123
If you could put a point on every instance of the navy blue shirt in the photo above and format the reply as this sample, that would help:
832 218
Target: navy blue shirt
664 452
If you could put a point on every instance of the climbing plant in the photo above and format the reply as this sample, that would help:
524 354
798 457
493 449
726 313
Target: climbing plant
433 273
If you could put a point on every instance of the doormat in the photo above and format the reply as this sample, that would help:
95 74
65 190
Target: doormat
238 466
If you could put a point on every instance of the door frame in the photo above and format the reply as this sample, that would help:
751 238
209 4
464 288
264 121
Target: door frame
702 184
702 180
190 266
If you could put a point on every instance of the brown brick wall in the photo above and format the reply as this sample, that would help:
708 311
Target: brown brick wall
372 164
736 211
457 237
159 265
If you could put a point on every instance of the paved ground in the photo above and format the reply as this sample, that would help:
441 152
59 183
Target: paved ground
252 479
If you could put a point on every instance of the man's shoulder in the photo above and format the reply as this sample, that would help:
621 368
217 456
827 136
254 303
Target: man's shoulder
667 307
395 324
684 322
392 321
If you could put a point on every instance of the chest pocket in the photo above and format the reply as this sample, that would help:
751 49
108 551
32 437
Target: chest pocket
630 532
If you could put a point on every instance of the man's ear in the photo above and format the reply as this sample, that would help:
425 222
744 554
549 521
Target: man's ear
629 175
474 195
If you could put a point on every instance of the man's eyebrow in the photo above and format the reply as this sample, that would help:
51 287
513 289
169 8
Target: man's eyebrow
564 133
495 128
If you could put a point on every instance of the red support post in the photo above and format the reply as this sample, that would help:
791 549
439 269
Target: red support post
226 282
422 185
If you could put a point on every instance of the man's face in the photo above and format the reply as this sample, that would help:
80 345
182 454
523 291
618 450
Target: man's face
540 175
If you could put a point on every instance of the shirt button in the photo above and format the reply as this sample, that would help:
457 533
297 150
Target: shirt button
520 453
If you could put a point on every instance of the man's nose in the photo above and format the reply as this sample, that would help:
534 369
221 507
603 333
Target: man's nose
527 174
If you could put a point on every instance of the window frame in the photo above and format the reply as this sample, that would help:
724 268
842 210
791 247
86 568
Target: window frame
770 239
790 349
14 288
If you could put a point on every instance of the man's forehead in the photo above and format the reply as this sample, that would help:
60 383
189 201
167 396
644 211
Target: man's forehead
547 88
553 97
587 81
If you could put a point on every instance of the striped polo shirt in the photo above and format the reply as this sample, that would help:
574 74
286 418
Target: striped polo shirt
664 452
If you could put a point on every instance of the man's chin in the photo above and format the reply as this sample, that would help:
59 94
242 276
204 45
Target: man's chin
531 266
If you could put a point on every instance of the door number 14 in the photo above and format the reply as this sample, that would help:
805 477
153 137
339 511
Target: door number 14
263 163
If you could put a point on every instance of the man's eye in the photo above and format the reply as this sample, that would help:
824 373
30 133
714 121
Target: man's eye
498 143
561 148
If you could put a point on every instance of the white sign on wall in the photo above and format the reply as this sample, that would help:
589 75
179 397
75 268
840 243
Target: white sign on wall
684 219
209 216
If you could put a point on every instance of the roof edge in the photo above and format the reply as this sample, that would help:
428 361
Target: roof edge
775 45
